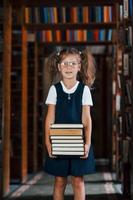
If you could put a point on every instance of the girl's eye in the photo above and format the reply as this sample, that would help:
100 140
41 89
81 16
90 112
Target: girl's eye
73 64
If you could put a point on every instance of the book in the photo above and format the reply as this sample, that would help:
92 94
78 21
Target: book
66 126
128 123
70 153
126 9
128 93
126 64
68 145
118 102
67 131
67 139
67 149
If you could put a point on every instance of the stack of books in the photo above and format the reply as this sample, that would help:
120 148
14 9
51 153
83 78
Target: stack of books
67 139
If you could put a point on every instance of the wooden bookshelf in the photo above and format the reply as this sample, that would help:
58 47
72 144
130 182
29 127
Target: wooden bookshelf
122 97
35 115
77 43
127 105
70 26
62 3
33 87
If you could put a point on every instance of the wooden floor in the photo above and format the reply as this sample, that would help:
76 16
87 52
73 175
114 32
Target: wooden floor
99 186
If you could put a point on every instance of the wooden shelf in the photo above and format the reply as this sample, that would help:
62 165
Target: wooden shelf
77 43
62 2
72 26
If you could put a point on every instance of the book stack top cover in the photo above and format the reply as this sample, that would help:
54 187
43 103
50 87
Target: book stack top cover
67 139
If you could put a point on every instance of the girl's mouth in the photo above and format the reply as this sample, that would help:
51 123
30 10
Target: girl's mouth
68 72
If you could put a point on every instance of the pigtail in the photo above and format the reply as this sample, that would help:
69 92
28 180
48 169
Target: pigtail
91 68
53 61
88 68
82 74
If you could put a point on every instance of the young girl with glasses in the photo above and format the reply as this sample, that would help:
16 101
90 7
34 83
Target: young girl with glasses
69 102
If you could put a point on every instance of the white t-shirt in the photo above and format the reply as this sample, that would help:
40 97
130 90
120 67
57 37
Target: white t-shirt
52 95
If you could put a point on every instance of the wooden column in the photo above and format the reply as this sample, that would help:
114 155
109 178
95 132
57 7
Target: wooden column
35 123
24 117
6 107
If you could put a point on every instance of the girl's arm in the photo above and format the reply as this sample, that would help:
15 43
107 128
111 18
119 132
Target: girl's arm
87 123
50 118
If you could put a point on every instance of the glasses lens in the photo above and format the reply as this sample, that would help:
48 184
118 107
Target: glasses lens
72 64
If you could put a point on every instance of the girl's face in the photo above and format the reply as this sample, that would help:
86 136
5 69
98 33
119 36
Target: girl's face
69 66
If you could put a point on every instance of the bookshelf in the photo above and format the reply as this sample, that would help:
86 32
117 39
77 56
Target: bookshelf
31 98
30 111
16 111
18 115
57 21
62 3
34 107
122 99
82 24
127 92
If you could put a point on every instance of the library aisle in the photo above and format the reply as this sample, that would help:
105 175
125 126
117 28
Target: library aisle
30 30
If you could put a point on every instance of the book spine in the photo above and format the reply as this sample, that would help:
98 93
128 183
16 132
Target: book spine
67 141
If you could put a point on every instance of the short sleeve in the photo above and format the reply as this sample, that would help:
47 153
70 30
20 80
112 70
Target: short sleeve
87 98
52 96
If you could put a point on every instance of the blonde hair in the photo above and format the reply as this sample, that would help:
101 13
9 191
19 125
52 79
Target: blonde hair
87 73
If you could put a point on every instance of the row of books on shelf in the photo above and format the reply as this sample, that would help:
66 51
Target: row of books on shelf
74 35
67 139
81 14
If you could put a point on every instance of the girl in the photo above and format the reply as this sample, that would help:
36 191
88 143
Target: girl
69 101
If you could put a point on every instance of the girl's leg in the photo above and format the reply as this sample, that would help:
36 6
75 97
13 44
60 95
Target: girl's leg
78 187
59 187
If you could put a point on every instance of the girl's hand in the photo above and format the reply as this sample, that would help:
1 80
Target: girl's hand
87 148
49 149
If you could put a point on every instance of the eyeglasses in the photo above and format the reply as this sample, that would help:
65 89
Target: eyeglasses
71 64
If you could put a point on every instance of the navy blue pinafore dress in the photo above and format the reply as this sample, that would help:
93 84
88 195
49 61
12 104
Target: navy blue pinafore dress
69 111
